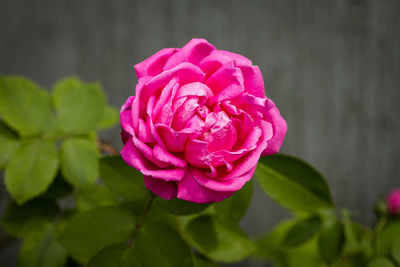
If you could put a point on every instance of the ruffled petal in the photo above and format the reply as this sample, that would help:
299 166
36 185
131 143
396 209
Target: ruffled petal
131 155
279 128
166 190
164 156
194 51
189 189
154 65
253 80
239 59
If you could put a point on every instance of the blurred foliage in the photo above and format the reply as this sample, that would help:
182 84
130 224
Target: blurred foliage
74 204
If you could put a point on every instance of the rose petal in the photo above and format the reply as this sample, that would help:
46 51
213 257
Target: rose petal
226 83
154 64
212 63
194 89
279 128
194 51
166 190
128 104
239 59
174 140
190 190
131 155
164 156
253 80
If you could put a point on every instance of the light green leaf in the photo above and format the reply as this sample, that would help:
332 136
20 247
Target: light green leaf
232 209
302 231
220 242
381 262
40 249
110 118
396 250
180 207
80 106
31 169
293 183
122 179
160 245
89 232
8 144
94 196
331 241
24 106
119 255
21 220
79 161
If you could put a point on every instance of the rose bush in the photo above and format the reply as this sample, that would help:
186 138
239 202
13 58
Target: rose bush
199 122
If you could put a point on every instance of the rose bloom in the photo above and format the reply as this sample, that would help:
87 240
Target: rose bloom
393 202
199 122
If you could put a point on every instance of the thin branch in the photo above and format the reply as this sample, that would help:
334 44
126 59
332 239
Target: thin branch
107 147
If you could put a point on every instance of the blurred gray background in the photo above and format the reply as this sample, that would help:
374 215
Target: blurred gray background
332 67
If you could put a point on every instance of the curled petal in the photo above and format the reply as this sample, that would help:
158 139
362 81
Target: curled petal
239 59
132 156
253 80
279 128
128 104
166 190
154 65
189 189
164 156
194 51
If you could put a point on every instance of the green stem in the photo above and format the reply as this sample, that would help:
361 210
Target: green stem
381 223
142 219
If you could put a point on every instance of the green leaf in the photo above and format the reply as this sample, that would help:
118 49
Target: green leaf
24 106
396 250
21 220
31 169
302 231
180 207
58 189
8 144
331 241
160 245
110 118
80 106
233 209
224 243
381 262
89 232
387 237
116 256
79 161
293 183
201 261
122 179
94 196
40 249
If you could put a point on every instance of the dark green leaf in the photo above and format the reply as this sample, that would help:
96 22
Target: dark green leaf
293 183
396 250
302 231
80 106
8 144
180 207
160 245
381 262
58 189
89 232
40 249
110 118
122 179
94 196
232 209
21 220
387 237
224 243
116 256
331 241
31 169
24 106
201 261
79 161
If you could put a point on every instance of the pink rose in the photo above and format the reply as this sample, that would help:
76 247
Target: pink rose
393 202
199 122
